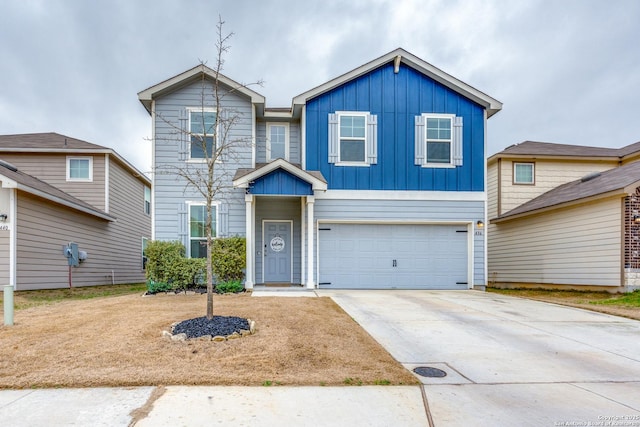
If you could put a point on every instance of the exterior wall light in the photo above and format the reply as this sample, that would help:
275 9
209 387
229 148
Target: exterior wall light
480 224
3 217
636 218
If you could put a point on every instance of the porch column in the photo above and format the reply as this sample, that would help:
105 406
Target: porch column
250 236
310 232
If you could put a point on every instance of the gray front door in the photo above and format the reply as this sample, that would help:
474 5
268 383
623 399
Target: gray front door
277 251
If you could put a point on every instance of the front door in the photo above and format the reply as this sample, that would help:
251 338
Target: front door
277 251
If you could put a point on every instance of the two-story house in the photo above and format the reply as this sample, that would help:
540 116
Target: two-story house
374 179
564 216
56 190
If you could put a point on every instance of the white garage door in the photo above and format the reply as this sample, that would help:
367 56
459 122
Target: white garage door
393 256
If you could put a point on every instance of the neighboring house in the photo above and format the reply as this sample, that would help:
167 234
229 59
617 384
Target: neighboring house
56 190
564 216
375 179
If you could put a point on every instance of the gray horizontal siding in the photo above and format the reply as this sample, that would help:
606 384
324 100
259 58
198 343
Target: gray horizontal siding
114 248
409 211
170 190
43 229
52 169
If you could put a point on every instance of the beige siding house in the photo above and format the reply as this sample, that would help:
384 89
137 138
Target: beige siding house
56 190
564 216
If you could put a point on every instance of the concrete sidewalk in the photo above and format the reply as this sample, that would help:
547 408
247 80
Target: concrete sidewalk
206 406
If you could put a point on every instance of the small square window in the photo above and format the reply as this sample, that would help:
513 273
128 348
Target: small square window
79 168
523 173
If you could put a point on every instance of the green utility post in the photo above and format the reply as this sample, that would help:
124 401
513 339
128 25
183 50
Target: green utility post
8 305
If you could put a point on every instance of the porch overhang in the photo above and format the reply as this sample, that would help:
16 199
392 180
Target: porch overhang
279 178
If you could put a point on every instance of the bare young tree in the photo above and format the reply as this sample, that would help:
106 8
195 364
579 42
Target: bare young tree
210 135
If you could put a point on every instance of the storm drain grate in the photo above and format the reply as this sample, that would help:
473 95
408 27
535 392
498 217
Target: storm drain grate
426 371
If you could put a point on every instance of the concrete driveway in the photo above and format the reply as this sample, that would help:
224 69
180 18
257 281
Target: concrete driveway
508 361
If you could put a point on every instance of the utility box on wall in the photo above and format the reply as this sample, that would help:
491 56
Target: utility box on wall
71 252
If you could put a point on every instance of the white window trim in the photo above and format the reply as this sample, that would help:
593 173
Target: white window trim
424 138
189 134
286 140
90 158
533 173
215 204
364 114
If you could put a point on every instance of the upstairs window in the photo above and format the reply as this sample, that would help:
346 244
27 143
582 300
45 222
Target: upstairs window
277 141
438 140
203 132
523 173
353 138
80 169
147 200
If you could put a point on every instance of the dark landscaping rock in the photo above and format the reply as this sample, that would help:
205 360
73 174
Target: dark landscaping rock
218 325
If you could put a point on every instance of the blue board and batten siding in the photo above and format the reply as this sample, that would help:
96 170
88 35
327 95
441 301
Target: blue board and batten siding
281 182
396 99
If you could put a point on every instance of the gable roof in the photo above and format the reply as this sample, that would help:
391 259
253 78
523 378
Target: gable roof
45 142
11 177
51 142
244 177
621 180
402 56
552 150
194 74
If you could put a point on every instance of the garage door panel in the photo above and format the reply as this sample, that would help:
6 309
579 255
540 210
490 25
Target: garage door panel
386 256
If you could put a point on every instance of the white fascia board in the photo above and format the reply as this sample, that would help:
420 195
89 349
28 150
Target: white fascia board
316 184
63 202
7 183
473 196
147 95
491 104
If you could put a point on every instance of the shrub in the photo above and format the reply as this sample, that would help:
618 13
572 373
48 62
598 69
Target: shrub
184 272
230 287
161 256
229 259
155 287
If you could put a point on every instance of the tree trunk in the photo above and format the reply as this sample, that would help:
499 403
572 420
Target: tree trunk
209 265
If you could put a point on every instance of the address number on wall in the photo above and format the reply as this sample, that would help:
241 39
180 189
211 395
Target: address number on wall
4 228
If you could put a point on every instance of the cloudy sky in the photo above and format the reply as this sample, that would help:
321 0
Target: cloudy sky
567 71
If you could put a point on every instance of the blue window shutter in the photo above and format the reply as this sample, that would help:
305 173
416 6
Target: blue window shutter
333 138
457 141
184 141
372 139
223 218
420 141
183 224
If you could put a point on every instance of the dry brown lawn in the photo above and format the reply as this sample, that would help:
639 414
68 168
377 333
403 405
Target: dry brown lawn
578 299
116 341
